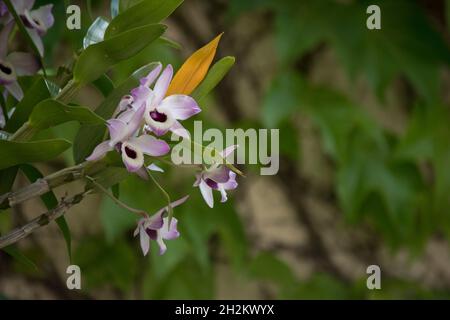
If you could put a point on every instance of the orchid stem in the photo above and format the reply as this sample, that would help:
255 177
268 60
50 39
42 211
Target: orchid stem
117 201
170 210
68 91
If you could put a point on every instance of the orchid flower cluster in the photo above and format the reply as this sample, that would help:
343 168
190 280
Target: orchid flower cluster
140 118
15 64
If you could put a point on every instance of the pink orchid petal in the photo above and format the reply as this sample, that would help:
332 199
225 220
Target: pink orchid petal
162 84
151 77
117 130
100 151
22 5
34 35
173 205
154 167
162 245
228 150
181 106
4 35
142 173
15 90
45 15
178 129
150 145
219 174
155 222
223 194
169 233
24 63
135 121
144 240
207 193
140 95
231 183
125 103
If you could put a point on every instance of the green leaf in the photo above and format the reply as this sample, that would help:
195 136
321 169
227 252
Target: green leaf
267 266
282 98
50 201
397 48
114 264
214 76
104 84
116 190
141 14
169 42
14 153
37 92
98 58
20 257
50 113
90 136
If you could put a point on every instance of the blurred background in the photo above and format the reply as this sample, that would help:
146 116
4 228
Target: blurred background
364 174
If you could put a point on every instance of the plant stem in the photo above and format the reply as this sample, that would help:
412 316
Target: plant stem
68 91
41 186
45 218
117 201
169 207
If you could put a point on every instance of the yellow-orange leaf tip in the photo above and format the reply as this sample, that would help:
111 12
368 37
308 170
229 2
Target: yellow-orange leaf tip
194 69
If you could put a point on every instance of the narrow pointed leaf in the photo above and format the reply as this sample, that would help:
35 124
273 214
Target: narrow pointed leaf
104 84
194 70
98 58
37 92
13 153
20 257
51 113
143 13
215 75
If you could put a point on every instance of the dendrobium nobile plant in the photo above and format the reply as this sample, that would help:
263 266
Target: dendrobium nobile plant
126 135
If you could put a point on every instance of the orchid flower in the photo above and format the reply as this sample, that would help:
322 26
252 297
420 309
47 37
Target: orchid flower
162 113
14 64
36 21
157 228
216 177
132 148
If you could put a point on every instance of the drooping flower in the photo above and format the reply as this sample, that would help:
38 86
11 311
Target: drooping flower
14 64
163 113
216 177
37 21
132 148
157 228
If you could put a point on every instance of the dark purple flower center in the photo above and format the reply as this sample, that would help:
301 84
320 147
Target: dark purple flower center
28 23
5 69
212 183
158 116
130 153
151 233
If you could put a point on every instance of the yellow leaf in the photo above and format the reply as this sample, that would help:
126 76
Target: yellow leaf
194 70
